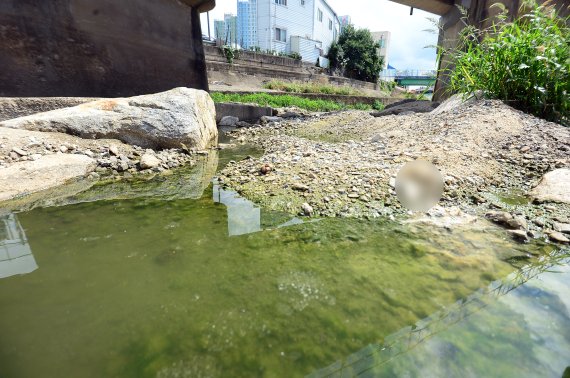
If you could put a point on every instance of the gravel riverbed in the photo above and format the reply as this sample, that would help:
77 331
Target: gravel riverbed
344 163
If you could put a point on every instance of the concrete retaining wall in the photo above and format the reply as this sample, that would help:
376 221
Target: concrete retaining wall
245 112
253 58
218 70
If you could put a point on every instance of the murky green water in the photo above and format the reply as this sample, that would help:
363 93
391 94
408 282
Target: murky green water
193 281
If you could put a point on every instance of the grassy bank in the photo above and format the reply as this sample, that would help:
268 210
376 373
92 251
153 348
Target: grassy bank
283 101
311 88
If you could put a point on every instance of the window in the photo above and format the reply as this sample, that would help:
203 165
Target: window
303 2
281 2
330 24
281 35
320 15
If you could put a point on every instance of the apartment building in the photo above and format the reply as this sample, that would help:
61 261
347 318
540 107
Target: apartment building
307 27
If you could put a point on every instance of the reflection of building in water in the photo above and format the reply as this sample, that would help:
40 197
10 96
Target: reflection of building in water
244 217
15 252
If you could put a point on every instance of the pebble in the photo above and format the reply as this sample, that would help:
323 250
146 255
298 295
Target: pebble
558 237
519 234
561 227
19 151
114 150
300 187
149 161
307 209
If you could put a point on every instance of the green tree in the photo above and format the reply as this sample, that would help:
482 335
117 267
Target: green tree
355 55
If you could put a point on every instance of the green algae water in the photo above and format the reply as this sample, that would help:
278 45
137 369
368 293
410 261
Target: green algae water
177 277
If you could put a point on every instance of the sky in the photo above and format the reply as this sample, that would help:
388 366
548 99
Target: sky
409 38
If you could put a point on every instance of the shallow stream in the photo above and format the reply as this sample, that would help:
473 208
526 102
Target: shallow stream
176 277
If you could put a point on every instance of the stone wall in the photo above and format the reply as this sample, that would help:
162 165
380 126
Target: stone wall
271 67
103 48
215 54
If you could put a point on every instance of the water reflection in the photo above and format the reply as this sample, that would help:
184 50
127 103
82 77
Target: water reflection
244 216
546 280
15 252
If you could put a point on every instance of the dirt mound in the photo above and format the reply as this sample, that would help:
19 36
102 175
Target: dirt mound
347 160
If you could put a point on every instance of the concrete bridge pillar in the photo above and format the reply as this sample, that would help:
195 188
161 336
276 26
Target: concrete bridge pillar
100 48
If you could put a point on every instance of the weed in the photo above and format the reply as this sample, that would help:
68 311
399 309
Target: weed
282 101
525 63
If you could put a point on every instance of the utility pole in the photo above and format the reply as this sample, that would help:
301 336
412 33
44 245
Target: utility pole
208 17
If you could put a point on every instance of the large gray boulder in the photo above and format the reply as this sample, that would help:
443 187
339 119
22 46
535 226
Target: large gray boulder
161 120
554 186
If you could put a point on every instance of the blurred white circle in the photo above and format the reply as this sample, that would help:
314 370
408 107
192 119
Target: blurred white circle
419 185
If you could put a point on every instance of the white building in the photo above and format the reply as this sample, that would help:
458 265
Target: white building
307 27
383 38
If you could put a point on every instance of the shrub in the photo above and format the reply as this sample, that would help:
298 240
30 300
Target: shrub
525 63
356 53
295 55
230 53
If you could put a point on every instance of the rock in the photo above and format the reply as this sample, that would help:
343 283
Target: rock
534 234
265 169
47 172
519 235
300 187
561 227
452 103
19 151
290 114
501 217
307 209
558 237
517 223
63 149
162 120
267 119
243 124
149 161
406 107
114 150
229 121
554 186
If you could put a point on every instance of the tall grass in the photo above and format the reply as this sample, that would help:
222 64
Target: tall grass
283 101
525 63
311 88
